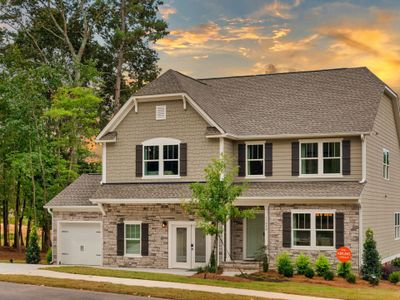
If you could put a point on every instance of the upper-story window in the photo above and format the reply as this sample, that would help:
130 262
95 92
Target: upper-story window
161 157
255 159
397 225
385 164
320 158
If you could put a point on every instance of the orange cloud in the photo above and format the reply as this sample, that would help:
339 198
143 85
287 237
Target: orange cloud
166 10
277 9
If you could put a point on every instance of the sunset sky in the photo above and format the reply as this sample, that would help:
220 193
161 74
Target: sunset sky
235 37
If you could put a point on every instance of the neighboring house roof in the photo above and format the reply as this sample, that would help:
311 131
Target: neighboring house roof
311 102
88 187
77 193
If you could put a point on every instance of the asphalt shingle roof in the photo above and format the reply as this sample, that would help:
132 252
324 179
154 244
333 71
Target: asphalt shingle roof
326 101
88 187
78 192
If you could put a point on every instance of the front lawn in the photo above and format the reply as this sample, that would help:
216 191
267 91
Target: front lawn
290 287
121 289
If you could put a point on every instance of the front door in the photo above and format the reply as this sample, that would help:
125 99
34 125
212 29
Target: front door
188 246
254 235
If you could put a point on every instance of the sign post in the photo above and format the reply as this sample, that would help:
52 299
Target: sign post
343 254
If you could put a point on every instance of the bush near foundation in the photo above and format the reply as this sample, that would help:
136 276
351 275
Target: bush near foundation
285 264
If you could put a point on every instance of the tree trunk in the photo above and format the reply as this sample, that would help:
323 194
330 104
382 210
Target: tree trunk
28 231
21 218
120 61
16 211
5 210
46 240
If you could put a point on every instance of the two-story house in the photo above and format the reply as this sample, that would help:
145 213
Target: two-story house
319 150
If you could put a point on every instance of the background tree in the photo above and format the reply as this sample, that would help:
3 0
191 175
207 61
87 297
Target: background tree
212 202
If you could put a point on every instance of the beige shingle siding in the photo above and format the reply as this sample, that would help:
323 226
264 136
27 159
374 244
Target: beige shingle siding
187 126
282 161
381 198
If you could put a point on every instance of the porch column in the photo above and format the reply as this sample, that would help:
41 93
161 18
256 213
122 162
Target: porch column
228 240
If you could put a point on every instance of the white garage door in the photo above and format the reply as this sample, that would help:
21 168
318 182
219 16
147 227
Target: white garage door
80 243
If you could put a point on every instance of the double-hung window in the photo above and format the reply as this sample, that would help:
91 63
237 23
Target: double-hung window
132 238
255 159
397 225
313 229
385 164
322 158
161 158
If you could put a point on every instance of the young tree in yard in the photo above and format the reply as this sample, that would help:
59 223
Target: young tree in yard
32 255
212 202
371 262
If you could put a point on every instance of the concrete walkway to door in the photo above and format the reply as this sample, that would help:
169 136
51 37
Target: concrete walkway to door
21 269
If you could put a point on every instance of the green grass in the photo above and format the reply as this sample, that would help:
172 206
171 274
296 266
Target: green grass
290 287
121 289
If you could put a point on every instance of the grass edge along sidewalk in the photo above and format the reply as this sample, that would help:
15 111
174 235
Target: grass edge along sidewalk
166 293
288 287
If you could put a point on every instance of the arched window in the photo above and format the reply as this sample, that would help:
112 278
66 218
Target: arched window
161 157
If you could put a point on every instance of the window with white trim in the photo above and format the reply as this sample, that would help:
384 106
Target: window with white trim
397 225
161 158
320 158
133 238
385 164
255 159
313 229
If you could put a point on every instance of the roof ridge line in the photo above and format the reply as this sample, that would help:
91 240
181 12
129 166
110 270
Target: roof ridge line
281 73
187 76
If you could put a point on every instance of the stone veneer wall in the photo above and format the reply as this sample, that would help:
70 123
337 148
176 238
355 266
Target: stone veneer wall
237 238
70 216
351 228
154 215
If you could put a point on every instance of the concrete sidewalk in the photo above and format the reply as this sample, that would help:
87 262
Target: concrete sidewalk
155 284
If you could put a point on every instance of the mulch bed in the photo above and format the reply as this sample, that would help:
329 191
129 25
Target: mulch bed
8 253
272 276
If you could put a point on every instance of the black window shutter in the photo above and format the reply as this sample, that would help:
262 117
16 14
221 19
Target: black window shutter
268 159
139 160
242 159
183 159
346 157
286 229
339 230
120 239
295 158
145 239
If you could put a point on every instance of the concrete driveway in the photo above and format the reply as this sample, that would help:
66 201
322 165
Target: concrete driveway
14 291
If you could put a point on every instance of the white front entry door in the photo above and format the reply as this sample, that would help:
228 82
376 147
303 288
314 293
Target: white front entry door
79 243
188 246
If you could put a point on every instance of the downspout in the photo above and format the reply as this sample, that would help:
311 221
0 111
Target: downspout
363 158
100 205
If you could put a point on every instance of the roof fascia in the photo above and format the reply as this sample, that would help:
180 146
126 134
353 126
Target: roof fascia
73 208
133 102
288 136
239 201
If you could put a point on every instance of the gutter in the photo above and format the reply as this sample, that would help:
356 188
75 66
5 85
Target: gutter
288 136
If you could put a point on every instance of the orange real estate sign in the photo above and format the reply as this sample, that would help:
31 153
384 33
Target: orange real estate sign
343 254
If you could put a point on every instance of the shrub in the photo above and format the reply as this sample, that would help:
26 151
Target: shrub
32 255
394 277
371 265
285 265
329 275
309 273
373 279
302 264
396 262
343 269
388 269
49 256
351 278
322 265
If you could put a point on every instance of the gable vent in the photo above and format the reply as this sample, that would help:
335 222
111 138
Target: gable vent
161 112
